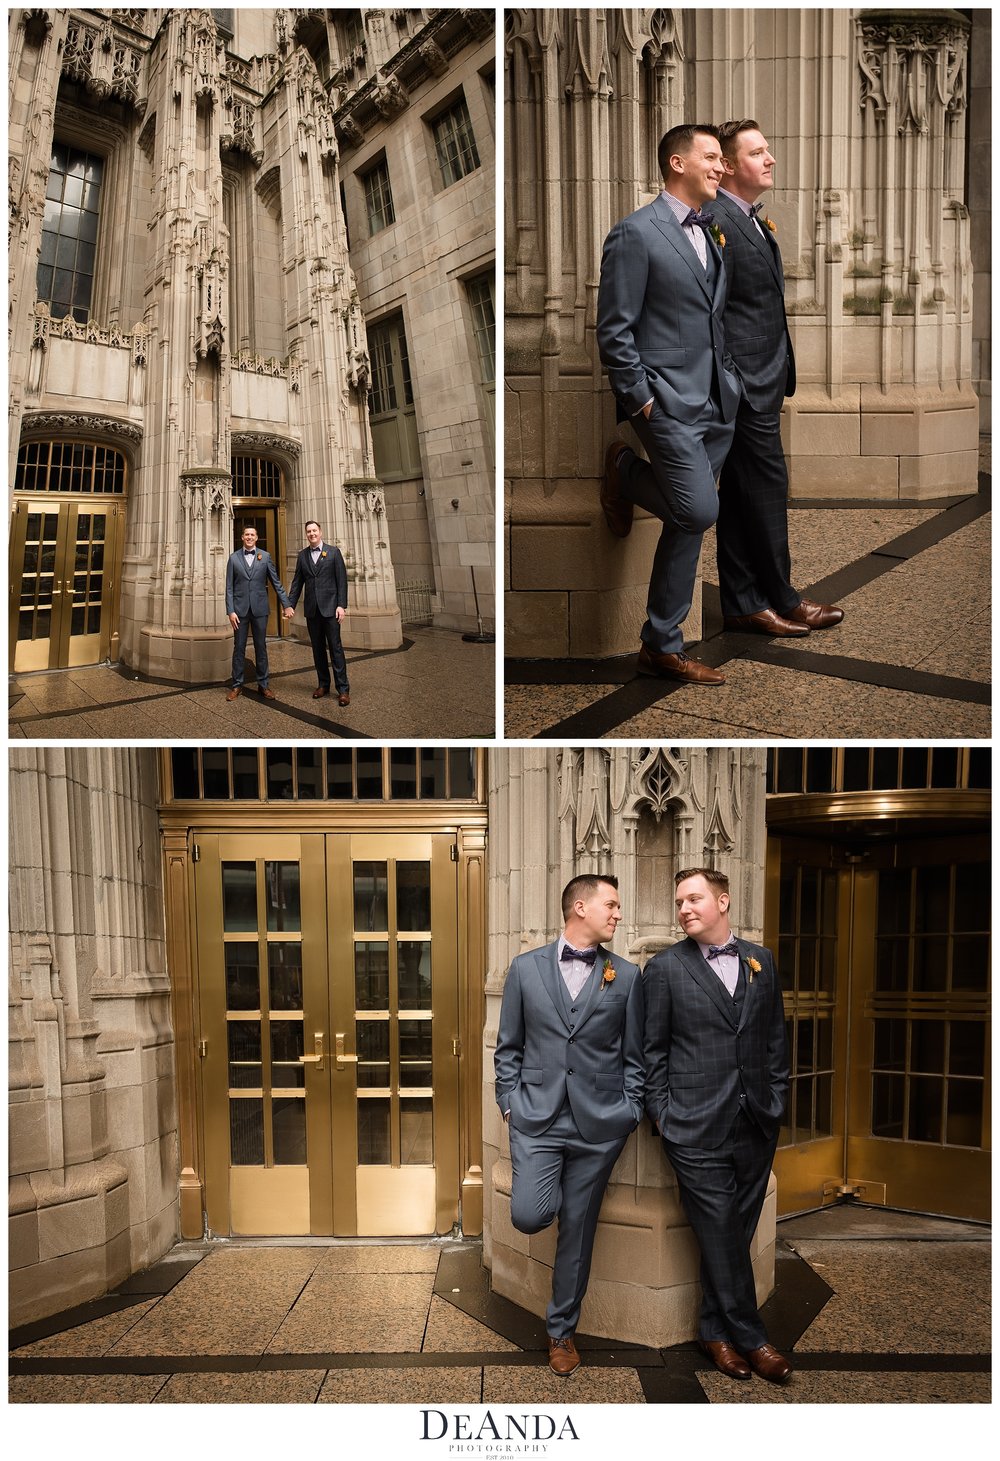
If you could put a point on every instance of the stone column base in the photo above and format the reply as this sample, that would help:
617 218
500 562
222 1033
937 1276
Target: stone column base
372 629
644 1286
195 656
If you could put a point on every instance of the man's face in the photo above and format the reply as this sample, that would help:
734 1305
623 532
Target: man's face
600 914
699 171
314 534
249 538
702 909
751 171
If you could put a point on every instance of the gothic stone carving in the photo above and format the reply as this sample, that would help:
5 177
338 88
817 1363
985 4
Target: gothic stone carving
78 423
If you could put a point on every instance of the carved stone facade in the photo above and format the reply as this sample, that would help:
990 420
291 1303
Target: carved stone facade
867 113
93 1120
641 813
224 308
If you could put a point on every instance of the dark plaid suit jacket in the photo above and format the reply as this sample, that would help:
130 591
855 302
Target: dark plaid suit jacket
757 335
325 583
703 1061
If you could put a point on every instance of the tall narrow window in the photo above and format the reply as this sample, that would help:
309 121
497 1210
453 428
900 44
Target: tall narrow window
394 427
378 197
455 143
484 324
69 232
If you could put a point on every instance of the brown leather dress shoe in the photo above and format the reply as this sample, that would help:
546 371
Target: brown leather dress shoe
817 616
768 1364
725 1358
234 692
320 691
265 692
766 621
617 512
563 1356
677 667
344 698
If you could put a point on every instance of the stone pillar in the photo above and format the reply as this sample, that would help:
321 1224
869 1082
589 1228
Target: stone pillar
93 1144
641 813
980 209
335 480
180 510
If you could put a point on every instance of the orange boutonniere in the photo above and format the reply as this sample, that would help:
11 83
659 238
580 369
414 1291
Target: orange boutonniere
608 973
259 558
717 234
754 968
323 554
769 223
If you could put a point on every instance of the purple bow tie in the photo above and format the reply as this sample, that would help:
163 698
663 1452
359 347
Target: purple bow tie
729 948
702 219
586 955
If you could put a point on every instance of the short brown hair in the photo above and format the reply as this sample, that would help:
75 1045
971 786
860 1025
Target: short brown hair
729 131
712 875
681 139
584 886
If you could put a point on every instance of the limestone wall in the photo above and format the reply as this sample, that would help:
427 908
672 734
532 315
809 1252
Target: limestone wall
93 1120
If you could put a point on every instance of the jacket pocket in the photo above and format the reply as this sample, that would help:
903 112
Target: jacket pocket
608 1082
531 1075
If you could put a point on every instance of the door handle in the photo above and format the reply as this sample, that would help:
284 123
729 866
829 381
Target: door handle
341 1058
317 1059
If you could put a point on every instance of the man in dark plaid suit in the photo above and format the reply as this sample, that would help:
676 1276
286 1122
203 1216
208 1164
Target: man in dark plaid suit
716 1082
752 530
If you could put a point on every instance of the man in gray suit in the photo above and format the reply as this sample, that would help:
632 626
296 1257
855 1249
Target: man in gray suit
660 333
716 1083
569 1084
247 574
321 571
752 531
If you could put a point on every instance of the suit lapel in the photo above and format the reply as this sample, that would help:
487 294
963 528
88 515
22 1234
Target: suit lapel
761 241
666 222
696 965
750 993
548 968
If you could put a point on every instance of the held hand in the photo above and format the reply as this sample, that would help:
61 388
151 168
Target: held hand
289 613
234 619
340 616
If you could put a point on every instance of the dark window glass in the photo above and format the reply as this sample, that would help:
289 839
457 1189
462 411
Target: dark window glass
184 765
69 227
246 780
288 1130
215 770
433 766
309 763
413 896
370 775
339 775
944 767
455 143
915 768
885 768
462 765
980 770
819 770
279 774
246 1131
403 773
789 771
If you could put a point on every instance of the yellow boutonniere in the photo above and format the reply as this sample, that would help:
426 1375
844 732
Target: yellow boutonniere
608 973
717 234
769 223
754 968
259 558
323 554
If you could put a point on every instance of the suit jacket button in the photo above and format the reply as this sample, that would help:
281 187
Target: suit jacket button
570 1071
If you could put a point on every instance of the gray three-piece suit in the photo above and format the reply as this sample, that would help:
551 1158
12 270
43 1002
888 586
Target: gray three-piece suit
660 334
569 1071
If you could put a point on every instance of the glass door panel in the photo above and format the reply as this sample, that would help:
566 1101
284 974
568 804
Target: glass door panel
395 1087
64 557
264 1011
327 967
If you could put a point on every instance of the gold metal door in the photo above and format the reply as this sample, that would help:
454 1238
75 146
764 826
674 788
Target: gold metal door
265 520
65 556
327 968
884 960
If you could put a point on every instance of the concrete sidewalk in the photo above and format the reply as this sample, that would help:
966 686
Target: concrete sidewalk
872 1306
910 660
435 686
